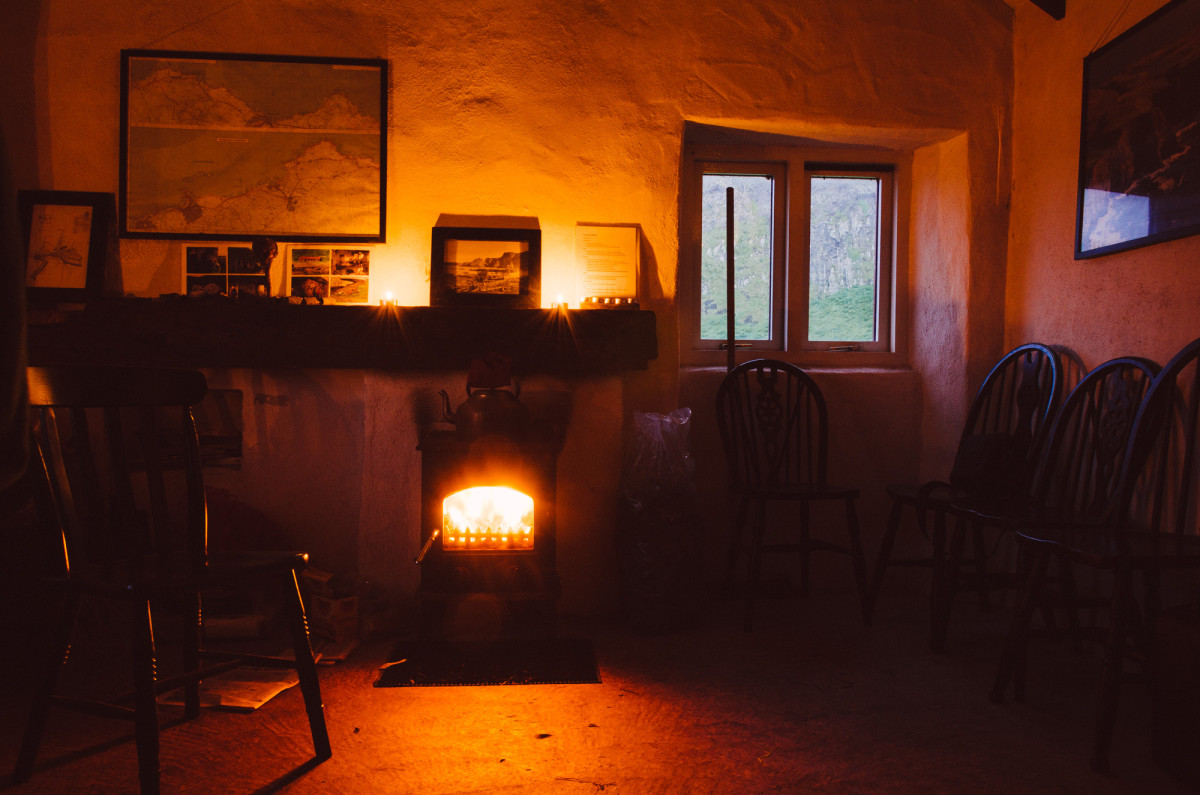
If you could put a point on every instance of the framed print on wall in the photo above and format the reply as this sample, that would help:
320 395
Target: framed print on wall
219 146
485 267
1139 161
328 274
233 271
66 240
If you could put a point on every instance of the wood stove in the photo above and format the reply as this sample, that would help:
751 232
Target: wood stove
488 532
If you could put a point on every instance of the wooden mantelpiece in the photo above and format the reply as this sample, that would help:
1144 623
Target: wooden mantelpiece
268 334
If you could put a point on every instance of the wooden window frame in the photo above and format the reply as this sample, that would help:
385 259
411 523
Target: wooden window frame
892 350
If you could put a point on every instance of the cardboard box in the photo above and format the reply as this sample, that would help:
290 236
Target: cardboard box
333 619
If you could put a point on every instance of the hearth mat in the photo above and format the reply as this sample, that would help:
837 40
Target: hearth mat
425 663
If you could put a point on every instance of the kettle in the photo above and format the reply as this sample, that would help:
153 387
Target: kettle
488 410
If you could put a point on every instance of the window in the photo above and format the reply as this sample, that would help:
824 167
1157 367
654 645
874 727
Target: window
848 276
758 192
814 254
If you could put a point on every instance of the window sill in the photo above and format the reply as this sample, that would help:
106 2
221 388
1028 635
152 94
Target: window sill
814 360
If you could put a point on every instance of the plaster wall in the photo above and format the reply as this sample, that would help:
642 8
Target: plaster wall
1139 302
940 289
573 112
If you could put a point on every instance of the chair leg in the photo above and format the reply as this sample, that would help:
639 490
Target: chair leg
754 565
882 560
857 560
145 719
979 548
1012 658
937 584
306 668
1070 592
805 547
58 649
735 540
191 655
1038 597
1110 676
949 585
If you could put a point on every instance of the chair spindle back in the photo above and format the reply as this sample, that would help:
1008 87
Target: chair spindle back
773 423
119 448
1162 480
1078 480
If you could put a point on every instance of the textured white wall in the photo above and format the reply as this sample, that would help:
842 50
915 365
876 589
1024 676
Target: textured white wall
569 112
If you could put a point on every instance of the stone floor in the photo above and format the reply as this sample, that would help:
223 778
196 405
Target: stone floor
811 701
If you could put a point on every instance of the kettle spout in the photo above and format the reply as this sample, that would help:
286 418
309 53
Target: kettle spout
447 414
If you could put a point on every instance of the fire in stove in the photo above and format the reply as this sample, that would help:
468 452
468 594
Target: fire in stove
483 518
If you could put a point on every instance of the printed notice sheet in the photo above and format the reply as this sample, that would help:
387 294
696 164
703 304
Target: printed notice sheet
606 261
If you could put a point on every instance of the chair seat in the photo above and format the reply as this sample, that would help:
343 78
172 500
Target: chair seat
938 495
173 574
934 491
813 491
1097 547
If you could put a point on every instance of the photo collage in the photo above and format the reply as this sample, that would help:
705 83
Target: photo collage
309 273
232 270
328 275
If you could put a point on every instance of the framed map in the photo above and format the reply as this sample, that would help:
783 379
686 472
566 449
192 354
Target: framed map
217 146
66 237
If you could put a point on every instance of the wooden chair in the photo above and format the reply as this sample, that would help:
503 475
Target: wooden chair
118 481
774 428
1136 513
1079 467
999 442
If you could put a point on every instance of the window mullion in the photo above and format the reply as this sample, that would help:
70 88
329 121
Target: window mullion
797 266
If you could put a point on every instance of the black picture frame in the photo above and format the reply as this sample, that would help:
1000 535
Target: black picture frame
472 266
1139 152
232 146
66 235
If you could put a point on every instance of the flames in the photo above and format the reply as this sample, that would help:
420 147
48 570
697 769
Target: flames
487 517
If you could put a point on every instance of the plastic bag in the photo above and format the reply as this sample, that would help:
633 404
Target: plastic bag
659 458
659 555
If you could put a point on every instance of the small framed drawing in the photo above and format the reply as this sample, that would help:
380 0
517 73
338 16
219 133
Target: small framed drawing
472 266
235 271
66 237
328 274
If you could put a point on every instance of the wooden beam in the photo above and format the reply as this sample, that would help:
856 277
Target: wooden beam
1055 8
186 332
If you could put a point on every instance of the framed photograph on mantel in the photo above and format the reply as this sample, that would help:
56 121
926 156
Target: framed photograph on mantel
66 240
486 267
1139 162
219 146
